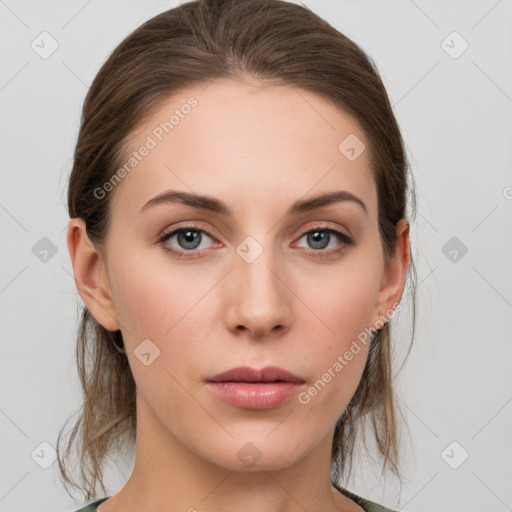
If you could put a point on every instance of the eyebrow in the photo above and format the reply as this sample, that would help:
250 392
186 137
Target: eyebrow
214 205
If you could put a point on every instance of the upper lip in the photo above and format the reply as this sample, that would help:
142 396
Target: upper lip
247 374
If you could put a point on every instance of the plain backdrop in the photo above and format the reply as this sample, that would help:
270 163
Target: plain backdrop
447 66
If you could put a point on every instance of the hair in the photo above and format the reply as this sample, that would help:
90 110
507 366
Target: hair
276 42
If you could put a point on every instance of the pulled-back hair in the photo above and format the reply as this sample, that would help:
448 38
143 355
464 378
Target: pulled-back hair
273 41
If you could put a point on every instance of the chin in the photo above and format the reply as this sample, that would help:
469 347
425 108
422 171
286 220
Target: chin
253 454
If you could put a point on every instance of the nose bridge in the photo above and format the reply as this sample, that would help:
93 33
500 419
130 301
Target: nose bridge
262 300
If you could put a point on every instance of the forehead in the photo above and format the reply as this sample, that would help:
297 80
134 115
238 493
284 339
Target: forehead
247 142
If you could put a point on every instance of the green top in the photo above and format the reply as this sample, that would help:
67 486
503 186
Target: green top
367 505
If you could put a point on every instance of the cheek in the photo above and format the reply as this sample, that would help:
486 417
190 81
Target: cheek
142 304
344 304
340 333
166 308
151 300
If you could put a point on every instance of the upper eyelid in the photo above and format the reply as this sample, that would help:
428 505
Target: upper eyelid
189 226
320 225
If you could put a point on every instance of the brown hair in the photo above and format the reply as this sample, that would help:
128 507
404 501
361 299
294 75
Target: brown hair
277 42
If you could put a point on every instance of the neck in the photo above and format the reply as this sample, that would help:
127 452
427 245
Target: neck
169 476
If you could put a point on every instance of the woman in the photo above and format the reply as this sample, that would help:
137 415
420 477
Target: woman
240 239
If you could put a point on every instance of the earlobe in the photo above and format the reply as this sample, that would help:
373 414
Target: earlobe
395 273
90 275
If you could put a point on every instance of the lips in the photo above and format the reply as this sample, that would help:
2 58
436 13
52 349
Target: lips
248 388
247 374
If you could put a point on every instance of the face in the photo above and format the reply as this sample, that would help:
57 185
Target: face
198 289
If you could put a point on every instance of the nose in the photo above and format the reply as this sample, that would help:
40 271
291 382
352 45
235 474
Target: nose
259 297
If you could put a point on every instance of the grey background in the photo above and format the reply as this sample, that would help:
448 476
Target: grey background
455 114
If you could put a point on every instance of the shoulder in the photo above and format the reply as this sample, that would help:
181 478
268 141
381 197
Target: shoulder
367 505
92 507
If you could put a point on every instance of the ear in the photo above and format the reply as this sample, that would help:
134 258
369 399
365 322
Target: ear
395 272
90 275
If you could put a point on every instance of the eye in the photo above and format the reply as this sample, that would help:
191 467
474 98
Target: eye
184 240
321 238
190 241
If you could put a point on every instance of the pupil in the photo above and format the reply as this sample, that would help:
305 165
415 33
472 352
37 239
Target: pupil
190 239
319 239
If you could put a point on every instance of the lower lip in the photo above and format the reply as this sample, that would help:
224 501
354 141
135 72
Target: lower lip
255 395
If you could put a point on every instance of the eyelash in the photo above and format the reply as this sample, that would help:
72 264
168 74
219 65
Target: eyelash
344 239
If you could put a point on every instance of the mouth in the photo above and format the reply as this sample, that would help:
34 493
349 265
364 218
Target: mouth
249 388
265 375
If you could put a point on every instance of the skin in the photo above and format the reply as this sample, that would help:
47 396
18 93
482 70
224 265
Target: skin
257 148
